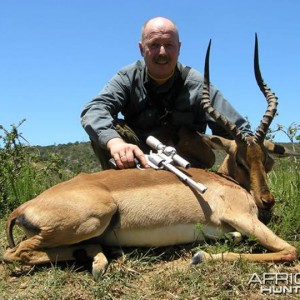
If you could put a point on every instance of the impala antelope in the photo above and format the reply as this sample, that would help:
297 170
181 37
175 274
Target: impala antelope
153 208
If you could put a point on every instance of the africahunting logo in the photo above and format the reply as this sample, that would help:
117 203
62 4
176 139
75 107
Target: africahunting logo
276 283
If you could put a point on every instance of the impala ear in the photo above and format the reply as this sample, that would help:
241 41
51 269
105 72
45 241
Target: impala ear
279 150
218 143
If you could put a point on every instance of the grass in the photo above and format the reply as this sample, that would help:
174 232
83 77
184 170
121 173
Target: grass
134 277
165 273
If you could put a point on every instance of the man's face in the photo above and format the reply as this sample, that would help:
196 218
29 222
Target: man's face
160 48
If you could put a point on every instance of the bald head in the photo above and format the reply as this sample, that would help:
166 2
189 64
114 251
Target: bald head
159 24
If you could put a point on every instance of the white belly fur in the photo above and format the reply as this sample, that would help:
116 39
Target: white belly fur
161 236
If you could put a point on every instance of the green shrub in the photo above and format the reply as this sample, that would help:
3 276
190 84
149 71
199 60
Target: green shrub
22 175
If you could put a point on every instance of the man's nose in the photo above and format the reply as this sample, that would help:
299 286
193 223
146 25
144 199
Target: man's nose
162 49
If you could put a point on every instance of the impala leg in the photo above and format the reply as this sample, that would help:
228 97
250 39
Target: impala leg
25 252
251 226
58 254
28 253
62 241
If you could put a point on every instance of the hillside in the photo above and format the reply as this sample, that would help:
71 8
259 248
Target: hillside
79 156
76 157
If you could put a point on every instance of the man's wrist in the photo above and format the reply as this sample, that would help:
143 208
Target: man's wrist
112 142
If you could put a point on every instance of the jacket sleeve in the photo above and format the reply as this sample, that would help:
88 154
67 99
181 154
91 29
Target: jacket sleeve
97 117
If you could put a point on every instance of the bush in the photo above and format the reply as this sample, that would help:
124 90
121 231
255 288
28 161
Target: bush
22 175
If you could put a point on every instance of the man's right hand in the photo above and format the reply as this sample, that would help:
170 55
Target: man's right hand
124 154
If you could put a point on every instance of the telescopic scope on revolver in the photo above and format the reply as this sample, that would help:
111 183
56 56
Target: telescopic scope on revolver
165 158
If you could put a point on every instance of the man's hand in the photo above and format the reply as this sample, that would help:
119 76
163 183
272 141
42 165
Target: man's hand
124 154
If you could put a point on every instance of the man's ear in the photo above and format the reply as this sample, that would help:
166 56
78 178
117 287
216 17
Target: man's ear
179 48
141 48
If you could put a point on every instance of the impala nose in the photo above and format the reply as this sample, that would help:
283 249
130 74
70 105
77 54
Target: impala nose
267 200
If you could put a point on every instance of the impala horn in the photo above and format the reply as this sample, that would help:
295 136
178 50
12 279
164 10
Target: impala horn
208 108
236 134
269 115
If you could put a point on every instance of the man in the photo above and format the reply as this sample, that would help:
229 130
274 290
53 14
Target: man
158 96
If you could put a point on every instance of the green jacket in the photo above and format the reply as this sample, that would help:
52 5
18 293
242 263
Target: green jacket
146 106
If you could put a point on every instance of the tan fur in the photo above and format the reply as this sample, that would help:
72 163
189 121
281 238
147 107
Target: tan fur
248 164
137 208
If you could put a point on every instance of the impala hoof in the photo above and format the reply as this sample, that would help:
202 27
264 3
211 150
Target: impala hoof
99 266
198 258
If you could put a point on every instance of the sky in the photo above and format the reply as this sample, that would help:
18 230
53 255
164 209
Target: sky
56 55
